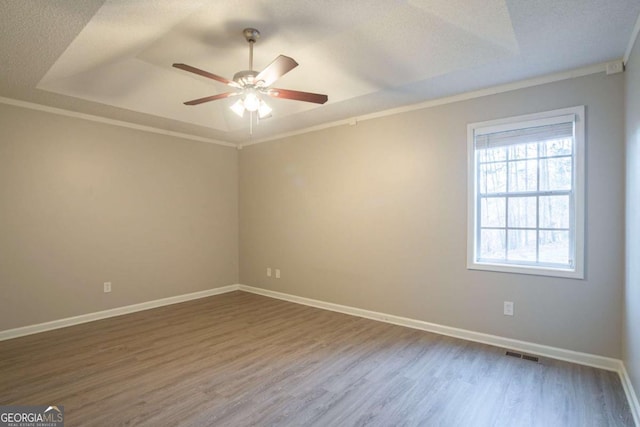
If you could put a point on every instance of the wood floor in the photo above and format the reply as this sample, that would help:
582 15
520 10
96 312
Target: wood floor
241 359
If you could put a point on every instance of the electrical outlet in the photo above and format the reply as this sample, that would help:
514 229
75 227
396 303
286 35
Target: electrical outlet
277 273
107 287
508 308
268 271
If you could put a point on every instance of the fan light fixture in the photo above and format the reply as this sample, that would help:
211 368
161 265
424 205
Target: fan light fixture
251 102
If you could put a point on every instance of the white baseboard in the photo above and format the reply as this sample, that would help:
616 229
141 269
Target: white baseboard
587 359
632 397
89 317
512 344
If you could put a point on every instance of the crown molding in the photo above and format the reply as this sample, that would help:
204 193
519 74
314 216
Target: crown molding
113 122
508 87
493 90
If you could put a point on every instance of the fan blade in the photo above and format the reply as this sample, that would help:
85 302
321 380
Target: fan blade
298 96
211 98
206 74
278 68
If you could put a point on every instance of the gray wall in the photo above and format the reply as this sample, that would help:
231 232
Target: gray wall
82 203
374 216
631 334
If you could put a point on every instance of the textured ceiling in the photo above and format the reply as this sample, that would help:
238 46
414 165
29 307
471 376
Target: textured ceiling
113 58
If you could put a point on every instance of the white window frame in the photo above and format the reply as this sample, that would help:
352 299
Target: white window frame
519 122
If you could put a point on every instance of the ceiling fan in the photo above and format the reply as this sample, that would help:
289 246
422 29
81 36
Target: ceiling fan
251 85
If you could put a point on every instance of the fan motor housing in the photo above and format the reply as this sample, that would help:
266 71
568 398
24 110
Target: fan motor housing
246 77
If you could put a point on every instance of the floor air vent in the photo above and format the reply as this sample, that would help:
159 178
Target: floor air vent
522 356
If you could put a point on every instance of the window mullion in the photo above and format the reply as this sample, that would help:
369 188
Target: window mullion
506 206
478 207
538 205
530 193
572 208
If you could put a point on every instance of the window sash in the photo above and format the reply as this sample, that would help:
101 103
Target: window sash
537 229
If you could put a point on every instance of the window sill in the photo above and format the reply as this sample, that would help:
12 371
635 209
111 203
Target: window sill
521 269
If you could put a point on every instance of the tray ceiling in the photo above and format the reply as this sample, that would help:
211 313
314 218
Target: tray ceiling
113 58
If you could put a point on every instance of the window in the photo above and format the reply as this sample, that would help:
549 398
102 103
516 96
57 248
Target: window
526 194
